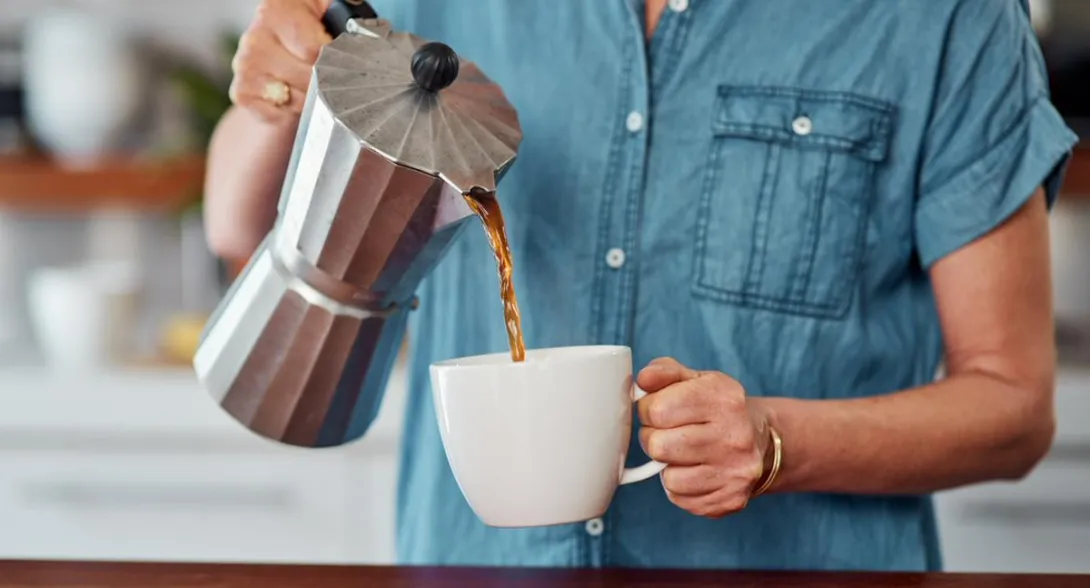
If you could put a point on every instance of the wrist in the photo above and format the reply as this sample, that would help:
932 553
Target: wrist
771 445
774 461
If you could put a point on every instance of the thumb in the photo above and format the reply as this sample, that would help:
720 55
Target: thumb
663 372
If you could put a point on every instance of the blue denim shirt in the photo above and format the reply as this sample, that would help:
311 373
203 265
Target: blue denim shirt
779 176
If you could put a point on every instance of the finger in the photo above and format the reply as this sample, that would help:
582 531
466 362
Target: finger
298 26
663 372
684 403
260 53
248 93
688 445
695 480
715 505
270 113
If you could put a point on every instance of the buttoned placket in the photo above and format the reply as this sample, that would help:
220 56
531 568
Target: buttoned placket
615 288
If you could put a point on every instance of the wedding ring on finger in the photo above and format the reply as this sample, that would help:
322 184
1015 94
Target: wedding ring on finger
276 92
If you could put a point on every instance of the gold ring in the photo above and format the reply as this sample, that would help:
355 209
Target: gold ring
277 92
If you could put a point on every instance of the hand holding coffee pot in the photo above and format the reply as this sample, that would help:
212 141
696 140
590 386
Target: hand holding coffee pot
272 67
394 133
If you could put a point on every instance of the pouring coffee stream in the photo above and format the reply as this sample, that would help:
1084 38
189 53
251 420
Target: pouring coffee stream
487 208
435 66
401 144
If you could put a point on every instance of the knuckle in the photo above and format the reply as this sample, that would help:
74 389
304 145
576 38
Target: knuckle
707 395
706 383
235 92
293 29
265 14
716 509
674 480
670 480
746 475
658 411
662 360
741 439
248 55
730 396
311 51
719 379
723 384
656 446
242 63
691 393
707 510
734 504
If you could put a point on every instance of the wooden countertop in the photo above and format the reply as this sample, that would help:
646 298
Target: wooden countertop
43 574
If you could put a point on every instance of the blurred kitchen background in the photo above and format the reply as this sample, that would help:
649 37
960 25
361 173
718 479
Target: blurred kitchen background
108 449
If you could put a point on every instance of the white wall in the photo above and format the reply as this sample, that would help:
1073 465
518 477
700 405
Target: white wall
185 28
189 27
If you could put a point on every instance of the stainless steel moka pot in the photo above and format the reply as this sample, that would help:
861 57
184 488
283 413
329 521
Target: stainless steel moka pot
394 131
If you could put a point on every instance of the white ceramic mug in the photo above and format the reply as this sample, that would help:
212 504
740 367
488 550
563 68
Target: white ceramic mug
543 441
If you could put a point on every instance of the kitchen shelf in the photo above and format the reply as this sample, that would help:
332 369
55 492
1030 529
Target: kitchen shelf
34 183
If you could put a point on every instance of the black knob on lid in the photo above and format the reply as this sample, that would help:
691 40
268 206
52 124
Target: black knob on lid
435 66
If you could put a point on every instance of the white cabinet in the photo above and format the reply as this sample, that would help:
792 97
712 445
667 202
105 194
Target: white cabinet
143 466
184 507
1040 524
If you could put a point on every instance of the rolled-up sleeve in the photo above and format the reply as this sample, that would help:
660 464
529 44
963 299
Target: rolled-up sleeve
994 137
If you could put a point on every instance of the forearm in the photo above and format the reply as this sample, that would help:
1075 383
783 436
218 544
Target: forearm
247 163
967 428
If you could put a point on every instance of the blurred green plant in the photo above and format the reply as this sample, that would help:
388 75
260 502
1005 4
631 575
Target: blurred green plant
206 96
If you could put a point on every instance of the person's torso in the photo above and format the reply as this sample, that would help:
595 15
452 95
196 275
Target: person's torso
737 194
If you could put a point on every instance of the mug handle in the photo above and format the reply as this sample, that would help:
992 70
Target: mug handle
645 471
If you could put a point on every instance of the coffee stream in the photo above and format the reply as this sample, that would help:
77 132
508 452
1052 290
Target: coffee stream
485 205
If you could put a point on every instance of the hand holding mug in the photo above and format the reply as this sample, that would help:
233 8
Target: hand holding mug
713 442
276 54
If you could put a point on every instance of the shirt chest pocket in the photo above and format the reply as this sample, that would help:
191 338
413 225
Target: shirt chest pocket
788 188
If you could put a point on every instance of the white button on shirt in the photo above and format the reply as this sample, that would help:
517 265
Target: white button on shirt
679 5
802 126
615 258
634 122
595 527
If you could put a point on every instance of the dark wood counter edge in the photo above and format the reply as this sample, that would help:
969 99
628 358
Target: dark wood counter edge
73 574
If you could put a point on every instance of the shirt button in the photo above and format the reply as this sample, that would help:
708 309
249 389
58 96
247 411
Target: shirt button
595 527
802 126
679 5
634 122
615 258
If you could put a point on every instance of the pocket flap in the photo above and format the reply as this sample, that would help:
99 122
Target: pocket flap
806 119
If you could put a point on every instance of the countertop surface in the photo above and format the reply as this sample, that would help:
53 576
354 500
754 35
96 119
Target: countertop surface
46 574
